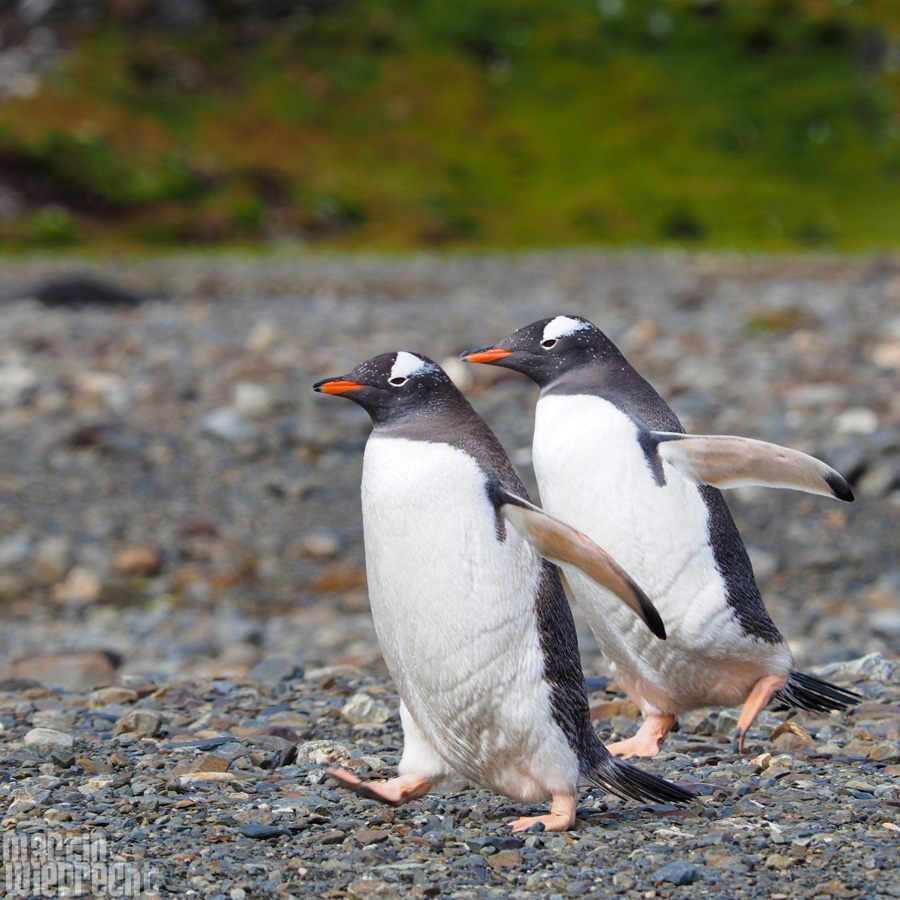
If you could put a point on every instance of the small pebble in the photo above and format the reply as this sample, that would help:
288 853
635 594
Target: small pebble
361 709
139 722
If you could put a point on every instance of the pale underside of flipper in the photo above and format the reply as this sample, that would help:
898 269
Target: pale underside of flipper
560 543
725 461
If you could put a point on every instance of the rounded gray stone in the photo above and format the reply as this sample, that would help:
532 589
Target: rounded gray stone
47 741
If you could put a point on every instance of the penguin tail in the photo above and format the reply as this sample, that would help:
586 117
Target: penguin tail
631 783
808 692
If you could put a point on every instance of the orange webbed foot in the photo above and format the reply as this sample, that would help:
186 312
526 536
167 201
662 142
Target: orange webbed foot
394 791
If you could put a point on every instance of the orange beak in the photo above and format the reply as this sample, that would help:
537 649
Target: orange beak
487 355
335 386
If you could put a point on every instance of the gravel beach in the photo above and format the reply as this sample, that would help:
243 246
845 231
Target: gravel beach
186 641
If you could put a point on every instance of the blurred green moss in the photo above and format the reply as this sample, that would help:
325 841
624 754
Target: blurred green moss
751 124
50 227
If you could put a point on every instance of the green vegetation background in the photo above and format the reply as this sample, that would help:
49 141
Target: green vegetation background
401 124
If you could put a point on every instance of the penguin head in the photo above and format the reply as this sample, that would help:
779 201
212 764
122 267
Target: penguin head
548 349
392 386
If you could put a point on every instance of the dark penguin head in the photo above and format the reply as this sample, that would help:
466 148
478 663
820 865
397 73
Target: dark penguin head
549 349
396 387
570 355
409 396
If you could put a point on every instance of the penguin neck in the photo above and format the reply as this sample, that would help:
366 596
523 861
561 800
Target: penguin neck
452 420
426 419
611 377
607 372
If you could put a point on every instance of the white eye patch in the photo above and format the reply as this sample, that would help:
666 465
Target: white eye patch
560 327
406 365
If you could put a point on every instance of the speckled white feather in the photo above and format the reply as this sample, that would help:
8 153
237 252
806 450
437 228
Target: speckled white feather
408 364
454 612
593 474
561 326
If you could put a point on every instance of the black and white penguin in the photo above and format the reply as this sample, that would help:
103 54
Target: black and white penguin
472 621
612 459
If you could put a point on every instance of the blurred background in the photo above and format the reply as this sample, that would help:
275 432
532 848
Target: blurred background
406 124
715 184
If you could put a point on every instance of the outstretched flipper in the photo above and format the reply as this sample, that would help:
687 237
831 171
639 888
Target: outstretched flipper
560 543
724 461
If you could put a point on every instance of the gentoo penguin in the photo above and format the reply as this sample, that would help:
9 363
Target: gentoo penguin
472 622
612 459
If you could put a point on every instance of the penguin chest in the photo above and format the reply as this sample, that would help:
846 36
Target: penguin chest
593 473
453 604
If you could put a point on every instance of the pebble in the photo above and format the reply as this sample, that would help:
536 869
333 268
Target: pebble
80 587
323 753
361 709
253 399
229 426
139 723
275 670
677 872
112 695
873 667
15 549
47 741
321 544
791 736
139 559
263 832
885 751
16 383
857 420
263 337
50 558
73 669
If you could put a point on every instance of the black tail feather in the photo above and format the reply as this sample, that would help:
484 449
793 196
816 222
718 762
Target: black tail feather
631 783
808 692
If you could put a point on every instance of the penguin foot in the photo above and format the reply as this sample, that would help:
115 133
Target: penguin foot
394 791
560 818
647 741
762 693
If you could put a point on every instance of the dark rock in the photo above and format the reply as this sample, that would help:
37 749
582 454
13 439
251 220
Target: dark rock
80 290
680 871
275 669
203 744
263 832
497 841
370 836
63 758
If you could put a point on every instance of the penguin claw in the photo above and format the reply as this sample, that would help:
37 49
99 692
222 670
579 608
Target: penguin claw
393 792
361 788
539 824
560 818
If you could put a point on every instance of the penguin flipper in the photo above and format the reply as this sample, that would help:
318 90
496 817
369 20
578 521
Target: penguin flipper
724 461
560 543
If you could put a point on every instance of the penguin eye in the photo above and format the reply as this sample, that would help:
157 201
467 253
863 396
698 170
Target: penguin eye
548 344
397 382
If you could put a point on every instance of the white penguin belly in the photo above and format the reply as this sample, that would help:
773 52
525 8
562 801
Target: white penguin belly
593 474
454 611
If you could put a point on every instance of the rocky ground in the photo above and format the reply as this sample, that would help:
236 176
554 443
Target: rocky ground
183 594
